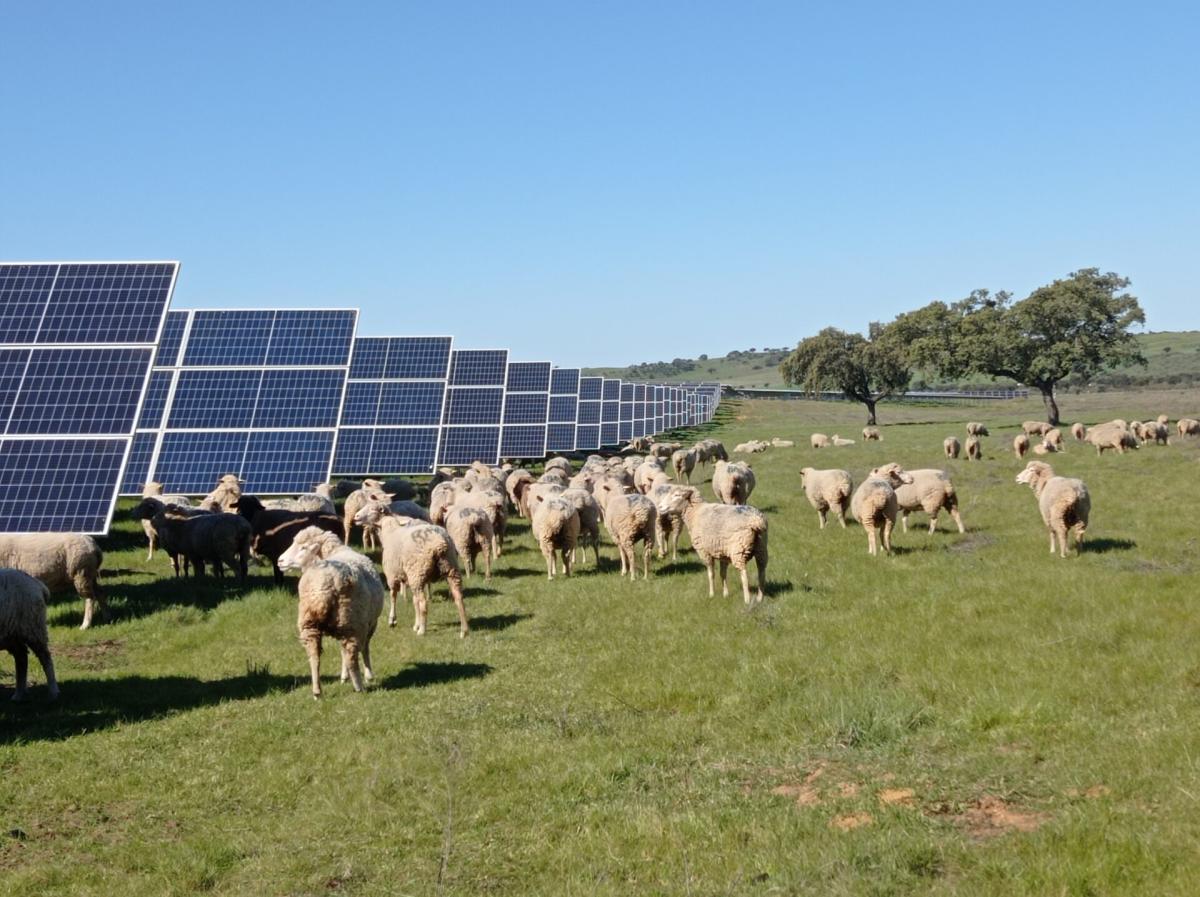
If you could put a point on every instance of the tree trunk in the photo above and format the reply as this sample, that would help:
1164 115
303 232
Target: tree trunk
870 403
1051 405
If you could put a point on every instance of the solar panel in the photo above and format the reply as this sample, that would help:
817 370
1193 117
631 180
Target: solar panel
137 470
478 367
474 407
77 340
462 445
526 405
610 413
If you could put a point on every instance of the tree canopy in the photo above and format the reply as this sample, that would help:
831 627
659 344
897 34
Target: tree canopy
865 369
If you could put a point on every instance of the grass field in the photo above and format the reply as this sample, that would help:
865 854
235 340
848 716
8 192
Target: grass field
968 716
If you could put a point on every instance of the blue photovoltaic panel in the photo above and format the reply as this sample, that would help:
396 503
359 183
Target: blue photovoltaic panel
24 290
561 410
228 338
302 398
417 358
353 454
408 450
214 400
525 408
137 469
523 442
12 369
412 403
560 438
528 376
610 412
625 430
609 434
564 382
80 391
312 338
292 461
589 412
478 367
612 390
591 388
59 485
370 355
155 403
191 463
639 427
361 407
587 437
473 406
172 338
107 303
462 445
627 390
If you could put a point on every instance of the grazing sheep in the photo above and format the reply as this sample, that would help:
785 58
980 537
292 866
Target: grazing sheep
724 533
471 531
518 481
930 491
1035 427
638 444
23 628
819 440
220 539
559 463
1054 437
588 510
1079 431
874 505
782 443
664 450
716 450
1112 435
340 596
555 527
155 490
311 502
684 462
951 447
974 428
630 519
273 529
1157 432
871 434
732 481
645 474
1188 426
1045 448
59 560
555 477
1163 419
1020 445
1064 503
828 490
974 449
840 442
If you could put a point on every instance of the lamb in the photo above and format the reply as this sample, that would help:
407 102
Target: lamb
871 434
308 502
974 449
471 530
555 527
840 442
340 596
588 510
1020 445
220 539
684 462
1035 427
156 490
732 481
819 440
874 505
416 555
23 628
1188 426
1064 503
930 491
1079 431
974 428
828 490
274 529
1112 435
951 447
724 533
59 560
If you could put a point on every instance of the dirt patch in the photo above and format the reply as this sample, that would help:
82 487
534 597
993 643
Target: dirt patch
847 789
848 821
898 797
991 816
803 795
92 656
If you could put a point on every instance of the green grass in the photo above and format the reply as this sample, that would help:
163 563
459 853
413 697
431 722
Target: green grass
596 736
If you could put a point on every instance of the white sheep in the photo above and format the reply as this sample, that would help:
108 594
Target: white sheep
1064 502
309 502
732 482
630 519
930 491
776 442
974 449
471 530
871 434
589 513
555 527
225 496
153 489
518 481
828 490
23 628
59 560
340 596
729 534
1045 448
667 524
1156 432
1079 431
951 447
1020 445
1035 427
819 440
874 505
645 474
1054 437
684 462
839 442
1188 426
974 428
1112 435
559 463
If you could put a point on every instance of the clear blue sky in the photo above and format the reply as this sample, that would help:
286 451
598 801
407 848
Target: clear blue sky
607 183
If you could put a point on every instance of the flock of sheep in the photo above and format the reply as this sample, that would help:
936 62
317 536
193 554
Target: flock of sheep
643 497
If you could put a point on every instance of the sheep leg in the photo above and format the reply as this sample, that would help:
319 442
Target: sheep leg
153 545
1062 539
487 562
568 560
870 528
958 519
887 535
904 521
21 660
420 605
645 559
1051 541
350 662
368 673
42 652
312 646
760 558
708 566
392 604
821 517
841 515
932 523
550 566
457 594
724 579
675 545
1080 529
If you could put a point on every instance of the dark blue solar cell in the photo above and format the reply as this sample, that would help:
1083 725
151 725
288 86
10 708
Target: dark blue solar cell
370 353
528 376
77 391
228 338
590 388
312 338
24 290
137 469
587 437
12 369
362 404
626 412
171 339
214 400
564 382
612 390
412 403
589 412
462 445
291 462
639 428
473 406
353 453
409 450
560 438
108 303
625 430
639 394
609 434
523 442
299 399
191 463
155 403
417 358
639 410
610 412
627 391
478 367
562 409
525 408
59 485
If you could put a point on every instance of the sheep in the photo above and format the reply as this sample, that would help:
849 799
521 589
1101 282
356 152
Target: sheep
930 491
23 628
753 447
482 479
828 490
1157 432
664 450
629 463
782 443
340 596
716 450
874 505
1020 445
819 440
732 481
637 444
416 555
1188 426
559 463
1163 419
645 474
1135 427
684 462
630 519
353 504
1112 435
309 502
1079 431
555 526
1065 503
951 447
1035 427
974 428
518 481
1054 437
273 529
156 490
667 524
59 560
974 449
220 539
471 530
494 504
1045 448
588 510
724 533
871 434
223 498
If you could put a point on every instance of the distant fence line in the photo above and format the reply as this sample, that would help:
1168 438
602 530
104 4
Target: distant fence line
923 395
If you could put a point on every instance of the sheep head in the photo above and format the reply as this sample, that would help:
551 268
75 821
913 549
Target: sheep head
1035 475
372 512
308 546
677 499
147 508
893 473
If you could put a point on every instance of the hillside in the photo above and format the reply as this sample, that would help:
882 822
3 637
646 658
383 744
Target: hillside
1173 358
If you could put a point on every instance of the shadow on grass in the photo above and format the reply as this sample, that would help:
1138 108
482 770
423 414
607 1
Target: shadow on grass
473 591
680 567
496 622
1104 545
514 573
420 675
